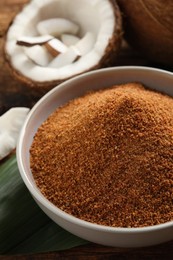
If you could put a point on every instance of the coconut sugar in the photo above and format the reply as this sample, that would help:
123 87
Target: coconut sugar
107 157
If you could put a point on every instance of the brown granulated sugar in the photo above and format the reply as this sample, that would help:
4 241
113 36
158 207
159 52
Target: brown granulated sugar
107 157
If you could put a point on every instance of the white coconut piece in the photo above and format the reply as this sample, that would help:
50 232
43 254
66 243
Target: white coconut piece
85 45
31 40
10 126
38 54
57 26
56 47
64 59
69 39
8 144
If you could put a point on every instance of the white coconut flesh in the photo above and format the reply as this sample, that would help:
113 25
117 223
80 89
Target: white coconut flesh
56 47
69 39
83 27
10 126
38 54
30 41
64 59
57 26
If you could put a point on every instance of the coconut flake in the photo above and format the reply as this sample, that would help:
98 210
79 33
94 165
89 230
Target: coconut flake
64 59
69 39
31 41
38 54
57 26
10 126
85 45
55 47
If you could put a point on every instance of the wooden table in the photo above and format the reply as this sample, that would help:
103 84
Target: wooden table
13 93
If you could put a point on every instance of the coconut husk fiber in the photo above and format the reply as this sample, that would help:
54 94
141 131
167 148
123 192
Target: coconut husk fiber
148 26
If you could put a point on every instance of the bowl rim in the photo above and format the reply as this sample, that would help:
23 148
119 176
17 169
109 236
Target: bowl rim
35 190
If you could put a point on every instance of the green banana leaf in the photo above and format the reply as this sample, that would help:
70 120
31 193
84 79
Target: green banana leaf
24 228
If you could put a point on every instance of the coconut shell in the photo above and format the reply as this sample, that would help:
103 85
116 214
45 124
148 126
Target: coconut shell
40 88
148 26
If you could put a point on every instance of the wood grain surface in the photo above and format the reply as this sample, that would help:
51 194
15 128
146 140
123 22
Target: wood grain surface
14 93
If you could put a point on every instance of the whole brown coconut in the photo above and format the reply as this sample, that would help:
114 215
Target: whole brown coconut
148 26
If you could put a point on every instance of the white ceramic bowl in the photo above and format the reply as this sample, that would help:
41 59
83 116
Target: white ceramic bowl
111 236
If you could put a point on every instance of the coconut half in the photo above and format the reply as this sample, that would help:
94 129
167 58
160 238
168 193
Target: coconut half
88 35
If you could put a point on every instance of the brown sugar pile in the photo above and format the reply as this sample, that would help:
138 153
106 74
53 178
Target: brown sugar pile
107 157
